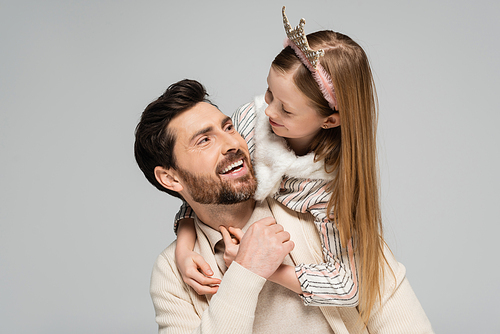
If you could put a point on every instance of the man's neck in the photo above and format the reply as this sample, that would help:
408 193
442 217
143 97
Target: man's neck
235 215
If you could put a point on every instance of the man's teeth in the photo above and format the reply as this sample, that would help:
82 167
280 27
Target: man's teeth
234 165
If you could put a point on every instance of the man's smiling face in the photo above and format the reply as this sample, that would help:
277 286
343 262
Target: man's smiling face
212 159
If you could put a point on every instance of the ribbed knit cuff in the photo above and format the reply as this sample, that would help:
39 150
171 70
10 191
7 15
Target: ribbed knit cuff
240 289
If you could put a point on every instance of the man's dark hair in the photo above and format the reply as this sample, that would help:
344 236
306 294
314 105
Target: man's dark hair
154 142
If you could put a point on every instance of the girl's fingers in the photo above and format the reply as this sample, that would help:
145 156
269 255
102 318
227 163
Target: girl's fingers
238 233
203 289
196 276
203 265
226 236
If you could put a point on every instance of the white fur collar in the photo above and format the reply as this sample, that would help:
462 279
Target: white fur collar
273 158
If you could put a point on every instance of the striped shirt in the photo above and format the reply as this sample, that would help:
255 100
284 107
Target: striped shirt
333 282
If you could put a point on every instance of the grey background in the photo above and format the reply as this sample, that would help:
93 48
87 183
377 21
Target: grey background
80 227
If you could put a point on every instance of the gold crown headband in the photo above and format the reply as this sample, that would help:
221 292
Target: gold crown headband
297 40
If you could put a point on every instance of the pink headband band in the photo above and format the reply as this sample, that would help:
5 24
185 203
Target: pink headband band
298 42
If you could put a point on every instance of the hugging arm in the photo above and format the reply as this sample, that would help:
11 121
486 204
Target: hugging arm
333 281
194 269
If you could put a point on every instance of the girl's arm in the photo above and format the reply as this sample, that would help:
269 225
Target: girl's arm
321 284
335 281
244 123
194 270
285 276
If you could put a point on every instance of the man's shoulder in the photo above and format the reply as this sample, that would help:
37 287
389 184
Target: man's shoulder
170 250
167 257
165 276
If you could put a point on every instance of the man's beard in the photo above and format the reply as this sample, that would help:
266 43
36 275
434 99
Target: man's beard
206 190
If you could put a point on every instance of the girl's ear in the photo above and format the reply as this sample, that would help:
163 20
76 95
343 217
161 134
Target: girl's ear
168 178
332 121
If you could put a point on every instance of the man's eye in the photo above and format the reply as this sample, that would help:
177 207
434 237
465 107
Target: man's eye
230 127
203 141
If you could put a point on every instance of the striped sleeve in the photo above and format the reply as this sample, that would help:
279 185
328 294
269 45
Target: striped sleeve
184 212
244 123
334 282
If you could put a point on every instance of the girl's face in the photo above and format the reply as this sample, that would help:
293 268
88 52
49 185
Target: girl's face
289 112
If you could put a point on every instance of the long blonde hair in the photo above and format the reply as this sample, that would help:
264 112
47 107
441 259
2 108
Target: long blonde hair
349 150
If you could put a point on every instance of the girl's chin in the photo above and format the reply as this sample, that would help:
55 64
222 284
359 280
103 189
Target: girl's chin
277 131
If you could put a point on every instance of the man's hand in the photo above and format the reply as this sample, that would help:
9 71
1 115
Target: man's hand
263 247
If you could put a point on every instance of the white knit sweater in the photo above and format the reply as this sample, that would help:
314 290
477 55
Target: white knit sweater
179 309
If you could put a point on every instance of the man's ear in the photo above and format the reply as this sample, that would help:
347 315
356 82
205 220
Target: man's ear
168 178
332 121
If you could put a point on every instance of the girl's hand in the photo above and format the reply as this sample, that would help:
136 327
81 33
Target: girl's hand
196 272
232 243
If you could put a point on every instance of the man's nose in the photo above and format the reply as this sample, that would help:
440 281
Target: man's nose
230 142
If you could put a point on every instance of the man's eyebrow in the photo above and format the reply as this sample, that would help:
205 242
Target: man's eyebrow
201 132
225 121
210 128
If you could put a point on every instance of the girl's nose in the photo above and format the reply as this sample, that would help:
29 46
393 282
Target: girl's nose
270 112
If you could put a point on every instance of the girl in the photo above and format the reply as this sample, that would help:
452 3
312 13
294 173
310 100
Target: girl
314 152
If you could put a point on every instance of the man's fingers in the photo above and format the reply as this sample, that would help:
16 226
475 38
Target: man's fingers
289 246
276 228
283 236
267 221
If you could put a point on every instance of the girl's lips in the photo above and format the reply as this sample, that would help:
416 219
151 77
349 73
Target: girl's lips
275 124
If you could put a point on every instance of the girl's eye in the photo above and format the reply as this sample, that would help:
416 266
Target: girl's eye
286 112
